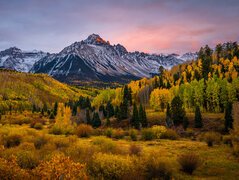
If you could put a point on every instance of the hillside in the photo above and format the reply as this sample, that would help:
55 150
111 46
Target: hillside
22 90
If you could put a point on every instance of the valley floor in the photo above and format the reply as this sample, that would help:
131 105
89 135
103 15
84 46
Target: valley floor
217 162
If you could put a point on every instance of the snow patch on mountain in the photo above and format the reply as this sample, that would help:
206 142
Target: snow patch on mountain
16 59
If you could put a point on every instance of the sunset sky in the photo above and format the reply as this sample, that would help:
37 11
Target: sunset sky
155 26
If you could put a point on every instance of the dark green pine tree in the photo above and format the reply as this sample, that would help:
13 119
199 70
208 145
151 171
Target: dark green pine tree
206 56
51 116
124 109
74 109
107 121
96 122
117 113
141 114
228 117
169 122
145 121
135 118
55 108
178 112
34 108
198 118
87 114
109 109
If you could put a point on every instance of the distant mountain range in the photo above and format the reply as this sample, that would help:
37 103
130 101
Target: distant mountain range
91 59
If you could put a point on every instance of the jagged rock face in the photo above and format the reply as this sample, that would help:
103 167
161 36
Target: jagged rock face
95 59
16 59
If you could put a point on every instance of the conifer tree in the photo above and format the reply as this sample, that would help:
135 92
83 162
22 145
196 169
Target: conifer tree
145 121
135 118
34 108
168 116
141 114
228 117
96 122
55 108
178 112
109 109
88 119
198 118
108 121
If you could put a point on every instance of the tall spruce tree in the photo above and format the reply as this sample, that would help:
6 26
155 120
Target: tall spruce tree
55 108
135 118
109 109
198 118
169 122
145 121
178 112
88 119
141 114
228 117
96 122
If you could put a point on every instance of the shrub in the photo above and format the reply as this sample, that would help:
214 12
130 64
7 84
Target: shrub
38 126
84 130
107 145
133 134
135 149
109 166
61 143
169 134
40 141
12 140
156 167
109 132
26 146
211 137
147 134
227 139
27 160
118 133
60 167
189 162
158 130
56 130
11 170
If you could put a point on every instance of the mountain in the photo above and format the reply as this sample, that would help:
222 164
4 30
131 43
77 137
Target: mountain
16 59
96 59
24 89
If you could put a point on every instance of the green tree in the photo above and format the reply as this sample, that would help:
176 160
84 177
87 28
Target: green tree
109 109
178 112
141 114
96 122
135 118
228 117
168 116
34 108
55 108
145 121
198 118
88 119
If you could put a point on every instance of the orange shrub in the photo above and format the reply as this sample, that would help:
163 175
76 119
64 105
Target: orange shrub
84 130
60 167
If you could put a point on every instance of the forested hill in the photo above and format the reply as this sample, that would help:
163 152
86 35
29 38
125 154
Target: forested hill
210 82
23 90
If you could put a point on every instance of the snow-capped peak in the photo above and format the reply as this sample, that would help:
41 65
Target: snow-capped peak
96 40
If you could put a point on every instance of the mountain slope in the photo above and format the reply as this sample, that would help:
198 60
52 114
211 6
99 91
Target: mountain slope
24 89
16 59
95 59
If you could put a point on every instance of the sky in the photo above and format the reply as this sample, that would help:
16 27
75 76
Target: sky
153 26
